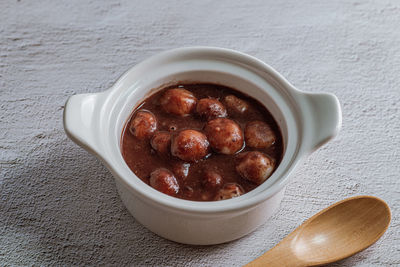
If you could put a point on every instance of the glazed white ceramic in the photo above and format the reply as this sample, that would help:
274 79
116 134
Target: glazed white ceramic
95 122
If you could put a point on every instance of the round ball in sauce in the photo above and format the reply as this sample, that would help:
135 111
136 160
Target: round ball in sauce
255 166
230 190
236 105
164 181
212 180
225 136
190 145
188 191
178 101
210 108
143 125
259 134
181 169
161 142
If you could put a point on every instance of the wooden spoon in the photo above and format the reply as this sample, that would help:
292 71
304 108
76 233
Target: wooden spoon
337 232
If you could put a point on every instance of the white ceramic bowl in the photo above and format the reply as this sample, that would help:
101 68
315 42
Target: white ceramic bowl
95 122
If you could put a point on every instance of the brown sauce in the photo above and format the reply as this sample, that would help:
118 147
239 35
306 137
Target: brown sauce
142 159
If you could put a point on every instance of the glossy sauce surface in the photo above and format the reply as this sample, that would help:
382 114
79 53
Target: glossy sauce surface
142 159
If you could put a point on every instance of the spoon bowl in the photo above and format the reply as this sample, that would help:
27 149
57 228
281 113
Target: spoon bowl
335 233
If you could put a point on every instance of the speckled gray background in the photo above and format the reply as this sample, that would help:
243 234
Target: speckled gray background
59 205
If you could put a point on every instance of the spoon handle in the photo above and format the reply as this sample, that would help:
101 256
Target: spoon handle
279 256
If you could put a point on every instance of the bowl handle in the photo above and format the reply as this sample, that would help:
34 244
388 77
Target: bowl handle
323 118
79 121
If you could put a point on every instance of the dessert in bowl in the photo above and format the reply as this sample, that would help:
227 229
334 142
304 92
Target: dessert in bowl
202 142
305 122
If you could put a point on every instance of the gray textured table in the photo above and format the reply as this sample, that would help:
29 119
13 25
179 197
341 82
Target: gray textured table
59 205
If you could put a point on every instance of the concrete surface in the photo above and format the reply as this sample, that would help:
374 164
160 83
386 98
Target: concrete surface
59 205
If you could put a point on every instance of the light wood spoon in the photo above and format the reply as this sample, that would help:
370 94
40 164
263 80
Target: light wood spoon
335 233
